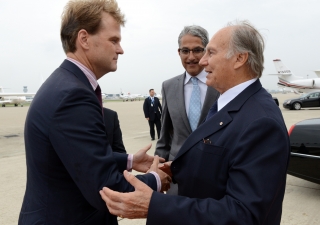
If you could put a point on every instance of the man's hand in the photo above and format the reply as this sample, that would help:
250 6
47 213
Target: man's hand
164 177
142 161
130 205
147 118
166 167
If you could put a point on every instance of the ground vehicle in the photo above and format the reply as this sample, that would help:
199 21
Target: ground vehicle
276 100
305 150
307 100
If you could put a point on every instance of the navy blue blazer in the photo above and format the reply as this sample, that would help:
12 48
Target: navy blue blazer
113 130
149 111
238 174
68 156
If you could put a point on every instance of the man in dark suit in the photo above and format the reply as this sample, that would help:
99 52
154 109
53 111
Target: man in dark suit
232 169
113 130
152 111
68 156
183 108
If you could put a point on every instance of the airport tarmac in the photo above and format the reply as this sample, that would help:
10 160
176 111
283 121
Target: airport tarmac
301 202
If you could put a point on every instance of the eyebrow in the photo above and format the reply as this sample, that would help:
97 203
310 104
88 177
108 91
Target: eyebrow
115 38
192 48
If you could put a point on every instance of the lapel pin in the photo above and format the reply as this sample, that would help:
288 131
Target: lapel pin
221 123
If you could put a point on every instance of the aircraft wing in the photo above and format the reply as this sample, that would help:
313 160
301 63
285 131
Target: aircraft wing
6 101
17 94
317 72
286 74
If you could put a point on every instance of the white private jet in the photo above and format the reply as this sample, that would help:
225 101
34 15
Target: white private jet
297 84
128 96
14 98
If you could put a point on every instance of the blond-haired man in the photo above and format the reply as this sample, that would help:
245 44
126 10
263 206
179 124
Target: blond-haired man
68 157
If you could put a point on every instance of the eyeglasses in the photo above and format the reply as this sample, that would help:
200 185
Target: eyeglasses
195 51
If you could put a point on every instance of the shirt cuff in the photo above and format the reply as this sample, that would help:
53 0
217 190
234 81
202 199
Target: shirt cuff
158 180
129 162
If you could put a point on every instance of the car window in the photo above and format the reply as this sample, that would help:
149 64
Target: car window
314 95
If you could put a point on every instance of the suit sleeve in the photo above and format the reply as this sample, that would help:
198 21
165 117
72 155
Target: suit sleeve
163 146
255 186
146 108
117 144
77 134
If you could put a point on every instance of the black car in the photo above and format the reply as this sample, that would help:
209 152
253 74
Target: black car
307 100
305 150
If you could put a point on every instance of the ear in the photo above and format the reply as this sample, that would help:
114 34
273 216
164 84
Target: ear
82 39
241 59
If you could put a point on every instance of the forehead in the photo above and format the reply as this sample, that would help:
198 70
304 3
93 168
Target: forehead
189 40
109 24
221 39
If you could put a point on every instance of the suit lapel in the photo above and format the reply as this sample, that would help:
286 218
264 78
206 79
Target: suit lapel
220 120
77 72
179 86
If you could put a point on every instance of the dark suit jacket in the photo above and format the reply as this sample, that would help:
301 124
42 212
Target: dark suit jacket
68 156
113 130
149 110
238 178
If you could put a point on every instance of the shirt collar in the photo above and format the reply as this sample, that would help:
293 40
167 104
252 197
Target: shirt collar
233 92
201 76
89 74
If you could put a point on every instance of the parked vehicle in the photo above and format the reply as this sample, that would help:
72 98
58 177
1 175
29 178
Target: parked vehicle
305 150
307 100
276 100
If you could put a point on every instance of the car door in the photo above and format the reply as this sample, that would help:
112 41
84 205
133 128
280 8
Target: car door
305 152
311 100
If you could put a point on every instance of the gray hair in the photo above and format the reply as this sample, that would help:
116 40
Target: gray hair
196 31
246 38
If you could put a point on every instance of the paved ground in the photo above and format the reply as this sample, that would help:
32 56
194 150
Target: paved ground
302 199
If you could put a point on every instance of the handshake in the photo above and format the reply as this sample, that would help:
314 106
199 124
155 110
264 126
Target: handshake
142 162
135 204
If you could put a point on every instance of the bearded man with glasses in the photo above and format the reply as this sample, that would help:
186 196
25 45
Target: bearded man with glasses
186 99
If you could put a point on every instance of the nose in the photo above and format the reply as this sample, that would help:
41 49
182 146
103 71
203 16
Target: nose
203 61
191 55
120 50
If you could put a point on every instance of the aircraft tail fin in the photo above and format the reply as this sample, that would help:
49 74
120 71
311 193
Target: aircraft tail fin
317 72
281 68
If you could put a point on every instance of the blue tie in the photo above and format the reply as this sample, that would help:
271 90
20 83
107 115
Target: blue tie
195 105
213 110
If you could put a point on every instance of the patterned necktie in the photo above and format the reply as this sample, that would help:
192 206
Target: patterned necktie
98 94
213 110
195 105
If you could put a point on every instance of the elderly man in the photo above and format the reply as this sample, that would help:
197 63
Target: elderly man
68 156
232 169
186 98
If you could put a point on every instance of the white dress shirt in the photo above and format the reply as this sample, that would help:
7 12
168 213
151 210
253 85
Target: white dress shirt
188 87
230 94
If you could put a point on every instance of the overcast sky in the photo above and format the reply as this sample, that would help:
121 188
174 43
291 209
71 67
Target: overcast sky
30 47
